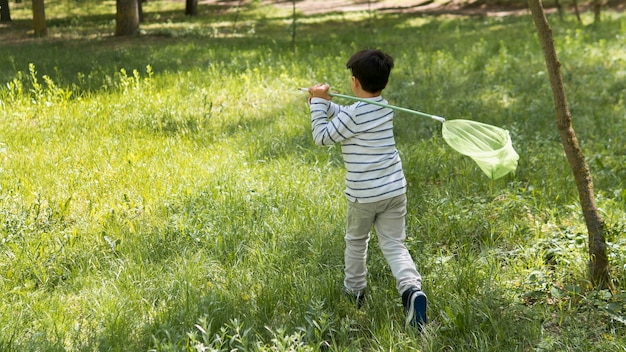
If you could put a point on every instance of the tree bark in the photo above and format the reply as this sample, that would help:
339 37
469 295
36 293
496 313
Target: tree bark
5 12
127 17
559 8
140 10
598 260
597 6
293 27
39 18
191 7
577 11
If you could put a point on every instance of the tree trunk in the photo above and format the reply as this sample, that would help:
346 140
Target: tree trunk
577 11
597 6
191 7
127 17
140 10
39 19
559 8
293 27
598 261
5 12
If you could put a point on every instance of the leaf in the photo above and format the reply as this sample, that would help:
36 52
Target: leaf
617 318
574 289
558 292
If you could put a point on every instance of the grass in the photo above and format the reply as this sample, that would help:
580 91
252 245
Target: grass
162 192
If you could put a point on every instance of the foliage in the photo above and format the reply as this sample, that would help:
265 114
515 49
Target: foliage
163 192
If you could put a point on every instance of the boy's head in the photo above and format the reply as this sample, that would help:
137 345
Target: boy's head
371 68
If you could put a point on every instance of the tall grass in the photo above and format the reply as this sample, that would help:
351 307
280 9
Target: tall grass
163 192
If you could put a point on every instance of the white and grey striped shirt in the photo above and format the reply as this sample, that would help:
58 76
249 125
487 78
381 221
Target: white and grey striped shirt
365 131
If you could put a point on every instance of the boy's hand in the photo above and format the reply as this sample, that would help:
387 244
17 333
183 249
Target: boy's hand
319 91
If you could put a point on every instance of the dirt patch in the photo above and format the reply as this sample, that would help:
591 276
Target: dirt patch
433 7
312 7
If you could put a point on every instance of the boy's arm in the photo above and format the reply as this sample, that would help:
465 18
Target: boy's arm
320 113
329 121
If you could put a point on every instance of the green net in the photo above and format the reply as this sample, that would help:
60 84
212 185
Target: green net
489 146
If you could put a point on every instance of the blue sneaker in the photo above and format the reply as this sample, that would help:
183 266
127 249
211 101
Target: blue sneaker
414 302
357 297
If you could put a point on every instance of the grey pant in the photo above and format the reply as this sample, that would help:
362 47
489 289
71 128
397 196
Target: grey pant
388 218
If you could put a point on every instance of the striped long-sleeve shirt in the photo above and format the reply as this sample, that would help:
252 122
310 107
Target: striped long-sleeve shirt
365 132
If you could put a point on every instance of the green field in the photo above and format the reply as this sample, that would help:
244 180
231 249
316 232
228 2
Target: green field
162 192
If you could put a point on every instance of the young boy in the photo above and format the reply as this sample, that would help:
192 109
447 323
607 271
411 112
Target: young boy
375 183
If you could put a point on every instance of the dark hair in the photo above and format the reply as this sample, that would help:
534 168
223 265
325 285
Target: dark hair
371 67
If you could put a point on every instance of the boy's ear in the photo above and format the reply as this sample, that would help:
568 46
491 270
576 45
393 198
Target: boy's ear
355 82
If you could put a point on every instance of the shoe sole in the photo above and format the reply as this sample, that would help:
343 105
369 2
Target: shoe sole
417 310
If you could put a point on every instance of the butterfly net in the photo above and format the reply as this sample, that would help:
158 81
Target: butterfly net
489 146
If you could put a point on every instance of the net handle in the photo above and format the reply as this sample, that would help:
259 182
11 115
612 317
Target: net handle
394 107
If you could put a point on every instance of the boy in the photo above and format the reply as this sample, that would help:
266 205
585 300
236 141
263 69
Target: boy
375 183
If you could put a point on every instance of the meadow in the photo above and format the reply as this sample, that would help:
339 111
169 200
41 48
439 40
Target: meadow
162 192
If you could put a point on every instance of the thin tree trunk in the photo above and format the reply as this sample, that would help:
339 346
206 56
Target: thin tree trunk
191 7
140 10
577 11
237 16
39 18
5 12
127 17
293 27
598 260
559 8
597 6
